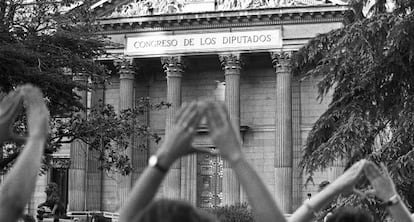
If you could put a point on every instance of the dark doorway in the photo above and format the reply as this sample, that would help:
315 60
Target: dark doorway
60 177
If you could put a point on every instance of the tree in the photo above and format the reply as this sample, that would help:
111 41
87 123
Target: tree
39 43
368 64
103 127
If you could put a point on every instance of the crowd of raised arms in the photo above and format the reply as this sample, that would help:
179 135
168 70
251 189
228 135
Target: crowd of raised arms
20 181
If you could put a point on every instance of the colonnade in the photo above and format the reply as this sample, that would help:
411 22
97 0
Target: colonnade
181 179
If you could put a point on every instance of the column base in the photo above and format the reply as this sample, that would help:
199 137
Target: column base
93 196
189 179
77 191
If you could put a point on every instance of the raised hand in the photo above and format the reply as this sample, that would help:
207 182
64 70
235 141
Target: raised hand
178 141
21 179
9 109
347 181
383 186
36 110
222 132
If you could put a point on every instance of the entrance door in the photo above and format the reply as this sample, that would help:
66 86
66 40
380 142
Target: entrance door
60 177
209 180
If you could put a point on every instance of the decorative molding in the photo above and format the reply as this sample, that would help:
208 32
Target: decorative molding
281 59
173 65
224 19
62 163
125 67
231 61
158 7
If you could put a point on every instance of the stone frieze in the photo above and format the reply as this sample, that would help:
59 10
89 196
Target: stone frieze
156 7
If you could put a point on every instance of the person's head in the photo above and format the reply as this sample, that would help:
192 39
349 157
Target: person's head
348 214
50 188
27 218
165 210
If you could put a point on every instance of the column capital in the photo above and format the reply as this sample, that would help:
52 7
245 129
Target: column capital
125 67
231 61
127 76
281 60
173 65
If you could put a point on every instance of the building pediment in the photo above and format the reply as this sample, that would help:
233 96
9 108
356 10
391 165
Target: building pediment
224 19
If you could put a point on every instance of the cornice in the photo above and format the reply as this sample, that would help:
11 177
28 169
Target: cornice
224 19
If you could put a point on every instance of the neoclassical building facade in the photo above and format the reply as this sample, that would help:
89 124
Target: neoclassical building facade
233 51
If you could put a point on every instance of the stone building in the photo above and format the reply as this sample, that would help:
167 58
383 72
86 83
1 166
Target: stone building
235 51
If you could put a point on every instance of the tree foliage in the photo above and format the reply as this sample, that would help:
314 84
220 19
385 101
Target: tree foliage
368 64
40 42
109 133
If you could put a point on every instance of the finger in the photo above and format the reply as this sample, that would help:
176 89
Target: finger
219 114
223 113
359 193
17 106
371 192
384 168
211 116
179 112
194 120
371 171
11 105
32 95
189 117
184 117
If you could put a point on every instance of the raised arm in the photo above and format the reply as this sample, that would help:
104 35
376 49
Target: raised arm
20 181
228 141
176 144
384 189
344 183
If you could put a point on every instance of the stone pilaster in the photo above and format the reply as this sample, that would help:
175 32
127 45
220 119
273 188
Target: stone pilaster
283 130
126 101
78 158
173 67
94 174
231 65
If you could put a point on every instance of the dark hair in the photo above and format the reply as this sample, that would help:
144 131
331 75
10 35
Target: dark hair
348 214
165 210
28 218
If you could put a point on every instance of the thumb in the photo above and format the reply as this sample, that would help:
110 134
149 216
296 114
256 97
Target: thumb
371 192
359 193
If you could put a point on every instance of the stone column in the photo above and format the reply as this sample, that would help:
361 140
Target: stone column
94 174
140 150
189 178
231 65
283 130
126 101
173 68
336 169
78 158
